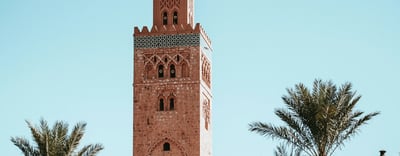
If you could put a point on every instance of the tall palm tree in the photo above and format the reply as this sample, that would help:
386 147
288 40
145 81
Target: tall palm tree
318 121
55 141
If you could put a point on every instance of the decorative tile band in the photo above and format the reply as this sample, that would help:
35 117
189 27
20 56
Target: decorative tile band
167 41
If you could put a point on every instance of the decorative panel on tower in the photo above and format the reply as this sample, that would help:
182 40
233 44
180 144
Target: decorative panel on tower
172 84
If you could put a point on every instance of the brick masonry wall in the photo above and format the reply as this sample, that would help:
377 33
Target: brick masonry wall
181 50
184 126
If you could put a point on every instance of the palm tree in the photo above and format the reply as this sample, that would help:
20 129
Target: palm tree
282 151
55 141
318 121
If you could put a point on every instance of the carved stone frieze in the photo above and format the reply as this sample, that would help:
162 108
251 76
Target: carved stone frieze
167 41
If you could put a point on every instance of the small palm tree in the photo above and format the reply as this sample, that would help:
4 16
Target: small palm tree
55 141
318 121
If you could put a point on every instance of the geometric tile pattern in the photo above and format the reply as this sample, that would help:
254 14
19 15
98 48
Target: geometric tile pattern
167 41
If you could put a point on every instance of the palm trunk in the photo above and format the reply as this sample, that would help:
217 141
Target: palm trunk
322 152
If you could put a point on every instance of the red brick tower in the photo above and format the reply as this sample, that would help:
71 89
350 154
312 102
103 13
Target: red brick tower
172 84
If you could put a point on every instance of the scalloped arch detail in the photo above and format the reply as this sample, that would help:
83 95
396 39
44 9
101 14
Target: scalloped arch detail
171 142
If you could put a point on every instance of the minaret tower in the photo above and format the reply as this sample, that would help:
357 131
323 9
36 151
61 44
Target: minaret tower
172 84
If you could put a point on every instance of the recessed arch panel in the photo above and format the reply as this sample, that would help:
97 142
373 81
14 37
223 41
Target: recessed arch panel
158 149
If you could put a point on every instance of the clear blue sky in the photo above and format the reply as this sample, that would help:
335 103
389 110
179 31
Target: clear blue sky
72 61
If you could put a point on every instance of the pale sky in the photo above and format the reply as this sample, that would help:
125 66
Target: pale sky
73 61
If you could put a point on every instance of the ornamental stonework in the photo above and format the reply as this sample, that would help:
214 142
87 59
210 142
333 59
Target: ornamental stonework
172 98
179 61
206 113
170 4
165 58
206 70
167 41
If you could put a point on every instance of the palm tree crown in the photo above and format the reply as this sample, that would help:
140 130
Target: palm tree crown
318 121
55 141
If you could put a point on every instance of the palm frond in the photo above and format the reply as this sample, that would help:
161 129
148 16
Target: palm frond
285 150
75 137
55 141
90 150
317 121
25 146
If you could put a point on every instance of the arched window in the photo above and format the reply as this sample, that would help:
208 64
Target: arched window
171 104
165 18
160 71
175 19
166 147
172 72
161 104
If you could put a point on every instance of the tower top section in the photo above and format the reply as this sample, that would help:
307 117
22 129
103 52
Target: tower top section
171 20
173 12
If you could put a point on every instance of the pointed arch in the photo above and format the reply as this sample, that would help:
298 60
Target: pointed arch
172 103
160 70
172 71
161 106
174 146
175 18
185 70
165 18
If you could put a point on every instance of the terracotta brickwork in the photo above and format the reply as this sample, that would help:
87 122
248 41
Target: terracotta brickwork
166 9
172 85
